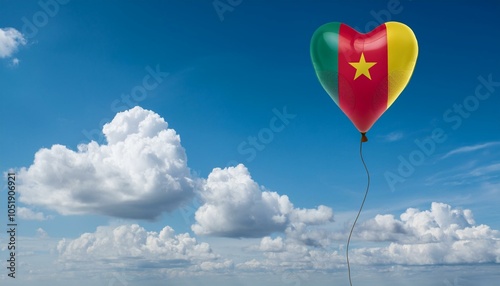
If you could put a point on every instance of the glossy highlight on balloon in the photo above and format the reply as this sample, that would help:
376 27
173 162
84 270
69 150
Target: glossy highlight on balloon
364 73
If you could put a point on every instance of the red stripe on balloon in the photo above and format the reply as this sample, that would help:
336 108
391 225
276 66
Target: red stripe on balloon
362 99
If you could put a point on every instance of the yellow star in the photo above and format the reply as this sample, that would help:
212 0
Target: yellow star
362 67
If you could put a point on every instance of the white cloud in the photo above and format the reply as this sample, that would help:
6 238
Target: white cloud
236 206
14 62
485 170
311 236
41 233
212 266
133 247
393 136
288 254
140 173
28 214
272 245
467 149
441 235
321 215
442 238
433 225
479 171
10 40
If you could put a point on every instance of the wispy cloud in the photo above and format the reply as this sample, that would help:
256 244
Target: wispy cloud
482 167
467 149
470 173
393 136
28 214
485 170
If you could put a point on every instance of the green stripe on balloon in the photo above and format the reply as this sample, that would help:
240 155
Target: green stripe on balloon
324 40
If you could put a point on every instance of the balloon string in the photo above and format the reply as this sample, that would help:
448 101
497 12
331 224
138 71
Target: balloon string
360 208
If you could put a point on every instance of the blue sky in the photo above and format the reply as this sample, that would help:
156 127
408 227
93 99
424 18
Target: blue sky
238 87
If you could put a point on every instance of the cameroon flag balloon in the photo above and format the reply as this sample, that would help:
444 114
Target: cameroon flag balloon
364 73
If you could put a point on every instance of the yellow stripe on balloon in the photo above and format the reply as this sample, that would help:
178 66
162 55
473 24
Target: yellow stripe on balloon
402 52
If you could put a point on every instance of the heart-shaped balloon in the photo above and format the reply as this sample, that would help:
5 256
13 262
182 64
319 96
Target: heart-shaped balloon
364 73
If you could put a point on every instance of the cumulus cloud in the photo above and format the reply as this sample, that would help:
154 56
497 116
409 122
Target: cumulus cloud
441 235
321 215
28 214
140 173
135 247
310 236
236 206
273 245
439 223
10 40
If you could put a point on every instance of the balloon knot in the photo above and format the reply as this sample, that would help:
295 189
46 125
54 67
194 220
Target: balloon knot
363 137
